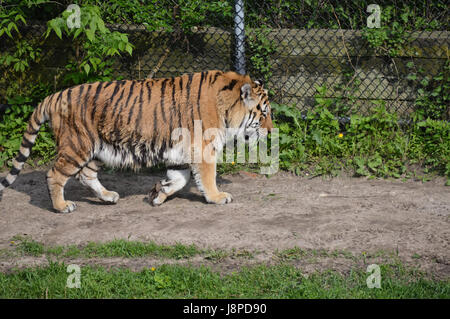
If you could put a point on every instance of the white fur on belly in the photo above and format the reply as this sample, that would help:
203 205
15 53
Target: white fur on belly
123 157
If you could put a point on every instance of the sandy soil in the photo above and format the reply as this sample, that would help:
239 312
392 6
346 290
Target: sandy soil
352 214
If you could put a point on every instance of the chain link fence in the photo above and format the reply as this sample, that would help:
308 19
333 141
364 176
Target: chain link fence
306 51
351 55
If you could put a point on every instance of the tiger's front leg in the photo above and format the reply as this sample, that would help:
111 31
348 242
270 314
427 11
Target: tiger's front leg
205 178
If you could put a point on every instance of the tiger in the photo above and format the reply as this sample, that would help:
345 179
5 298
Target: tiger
128 123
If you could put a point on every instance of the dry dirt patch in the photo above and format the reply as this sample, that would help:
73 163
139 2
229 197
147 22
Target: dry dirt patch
268 214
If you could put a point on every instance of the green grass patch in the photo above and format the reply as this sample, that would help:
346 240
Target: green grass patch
132 249
173 281
125 249
116 248
297 253
218 255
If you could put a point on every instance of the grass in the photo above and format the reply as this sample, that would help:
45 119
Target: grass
123 248
116 248
174 281
297 253
218 255
281 279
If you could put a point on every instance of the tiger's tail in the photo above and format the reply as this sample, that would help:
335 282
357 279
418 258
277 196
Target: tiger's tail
38 118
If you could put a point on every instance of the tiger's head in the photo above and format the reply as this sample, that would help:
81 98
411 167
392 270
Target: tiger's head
258 118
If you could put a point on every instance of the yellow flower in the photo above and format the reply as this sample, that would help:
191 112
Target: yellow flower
232 163
341 135
13 242
153 268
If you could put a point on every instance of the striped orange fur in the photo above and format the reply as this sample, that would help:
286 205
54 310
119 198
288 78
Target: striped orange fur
129 124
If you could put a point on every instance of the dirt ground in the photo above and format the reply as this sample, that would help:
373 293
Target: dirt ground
357 215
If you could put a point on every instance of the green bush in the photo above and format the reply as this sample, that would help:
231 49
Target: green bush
13 126
93 43
373 145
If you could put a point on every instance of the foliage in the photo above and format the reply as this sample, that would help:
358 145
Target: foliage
93 44
391 37
430 146
260 50
168 14
9 21
433 97
301 14
373 145
13 126
23 52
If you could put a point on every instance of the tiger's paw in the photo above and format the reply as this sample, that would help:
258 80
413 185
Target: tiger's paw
110 197
156 197
66 207
221 198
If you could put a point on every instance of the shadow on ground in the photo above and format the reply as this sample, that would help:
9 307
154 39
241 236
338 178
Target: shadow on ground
126 183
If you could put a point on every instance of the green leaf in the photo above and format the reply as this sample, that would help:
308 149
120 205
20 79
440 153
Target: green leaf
77 32
374 163
129 49
101 26
317 136
93 26
55 27
424 82
87 68
90 35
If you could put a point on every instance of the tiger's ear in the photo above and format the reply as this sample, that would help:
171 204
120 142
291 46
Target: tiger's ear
246 95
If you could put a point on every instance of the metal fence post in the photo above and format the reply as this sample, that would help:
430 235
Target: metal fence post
239 35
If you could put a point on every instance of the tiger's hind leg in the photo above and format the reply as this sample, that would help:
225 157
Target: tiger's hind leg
64 168
176 180
88 177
